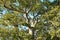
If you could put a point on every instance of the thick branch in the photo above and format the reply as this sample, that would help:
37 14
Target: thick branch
12 8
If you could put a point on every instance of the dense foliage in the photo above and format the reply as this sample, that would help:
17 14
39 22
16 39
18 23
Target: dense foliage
29 20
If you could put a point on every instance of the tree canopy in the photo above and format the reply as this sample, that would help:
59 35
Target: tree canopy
29 20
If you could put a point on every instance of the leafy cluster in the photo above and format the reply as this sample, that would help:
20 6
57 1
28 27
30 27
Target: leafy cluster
40 19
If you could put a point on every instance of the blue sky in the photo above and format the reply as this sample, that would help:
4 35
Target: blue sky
49 0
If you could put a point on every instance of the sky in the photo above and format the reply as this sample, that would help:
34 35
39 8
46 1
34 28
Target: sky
49 0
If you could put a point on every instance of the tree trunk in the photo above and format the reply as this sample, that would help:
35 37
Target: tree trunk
31 28
32 33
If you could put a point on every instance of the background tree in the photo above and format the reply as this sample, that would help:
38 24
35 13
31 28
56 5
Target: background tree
40 18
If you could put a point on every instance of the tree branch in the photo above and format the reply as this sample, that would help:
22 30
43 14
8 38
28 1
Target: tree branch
12 8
